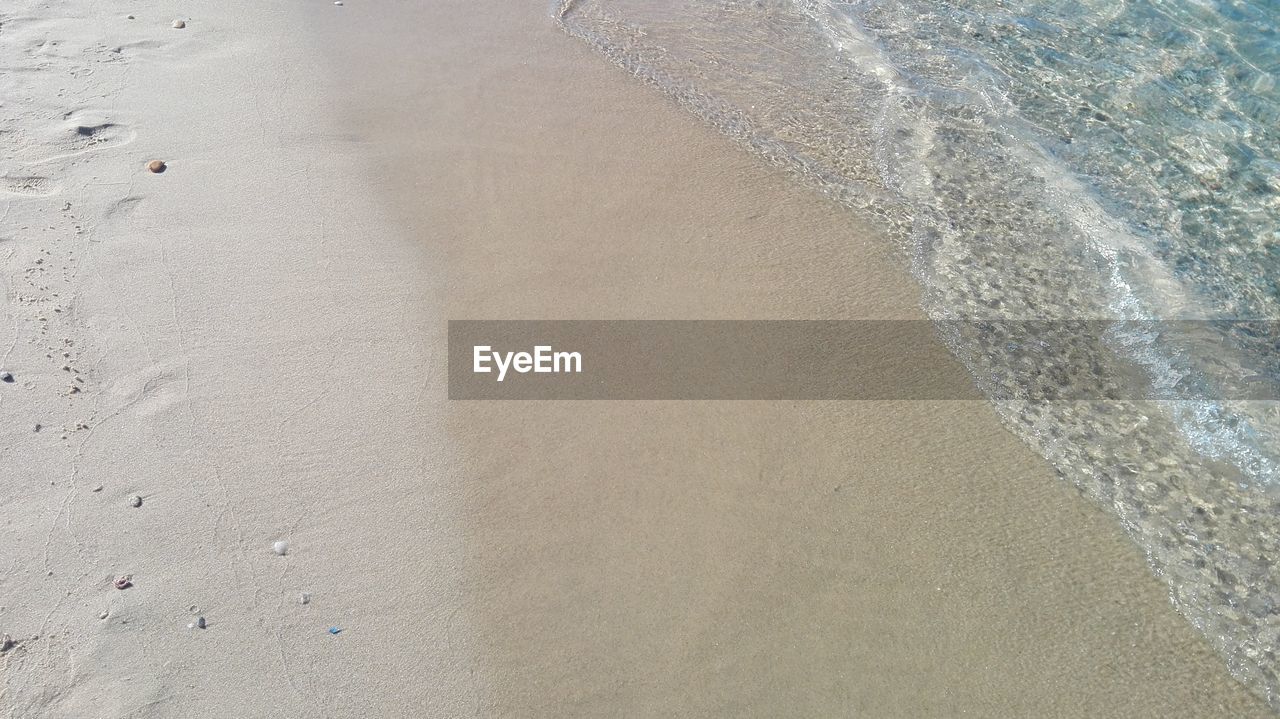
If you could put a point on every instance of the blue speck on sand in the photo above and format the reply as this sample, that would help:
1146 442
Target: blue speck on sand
334 630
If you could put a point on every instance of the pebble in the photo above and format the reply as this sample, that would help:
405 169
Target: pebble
97 487
179 24
281 548
304 598
6 377
200 623
102 614
135 501
6 643
337 2
123 582
335 630
157 166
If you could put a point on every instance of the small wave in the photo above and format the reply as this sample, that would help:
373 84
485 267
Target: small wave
1042 161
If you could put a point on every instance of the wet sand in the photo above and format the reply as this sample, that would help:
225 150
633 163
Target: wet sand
795 559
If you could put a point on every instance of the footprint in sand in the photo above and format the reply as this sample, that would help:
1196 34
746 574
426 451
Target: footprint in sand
77 137
28 185
121 208
104 134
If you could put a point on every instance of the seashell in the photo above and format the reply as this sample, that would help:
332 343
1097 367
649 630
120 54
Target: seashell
179 24
123 582
157 166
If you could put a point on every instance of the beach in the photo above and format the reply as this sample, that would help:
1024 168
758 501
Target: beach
252 343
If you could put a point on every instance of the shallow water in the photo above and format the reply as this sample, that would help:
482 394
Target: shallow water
1049 160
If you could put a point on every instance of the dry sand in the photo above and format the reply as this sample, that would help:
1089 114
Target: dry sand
258 334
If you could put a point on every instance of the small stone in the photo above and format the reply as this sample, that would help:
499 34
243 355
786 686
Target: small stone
179 24
304 598
6 642
200 623
37 428
103 614
123 582
135 501
130 17
157 166
6 377
281 548
97 487
337 2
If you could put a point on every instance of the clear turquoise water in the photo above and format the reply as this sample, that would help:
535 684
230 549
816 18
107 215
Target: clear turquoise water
1057 160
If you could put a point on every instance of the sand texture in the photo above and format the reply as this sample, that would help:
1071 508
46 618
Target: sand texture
251 343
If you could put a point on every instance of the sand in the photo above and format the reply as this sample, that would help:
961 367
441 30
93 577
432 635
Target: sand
257 339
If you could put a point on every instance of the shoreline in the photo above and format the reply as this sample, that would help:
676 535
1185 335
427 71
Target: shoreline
260 333
572 190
